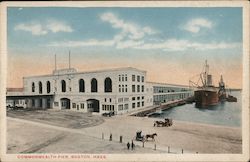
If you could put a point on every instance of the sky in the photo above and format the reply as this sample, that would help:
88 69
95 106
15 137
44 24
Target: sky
171 44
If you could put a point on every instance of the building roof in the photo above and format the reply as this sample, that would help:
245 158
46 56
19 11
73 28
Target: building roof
168 84
74 71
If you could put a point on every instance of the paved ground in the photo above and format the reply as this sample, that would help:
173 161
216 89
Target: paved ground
48 132
33 137
62 118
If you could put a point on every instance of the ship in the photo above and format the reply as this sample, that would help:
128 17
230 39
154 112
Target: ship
206 94
222 90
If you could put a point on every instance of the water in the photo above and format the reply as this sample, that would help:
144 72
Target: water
227 113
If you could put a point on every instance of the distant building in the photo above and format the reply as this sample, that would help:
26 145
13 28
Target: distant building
120 90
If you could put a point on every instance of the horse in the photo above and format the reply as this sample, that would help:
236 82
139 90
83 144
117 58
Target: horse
151 136
158 123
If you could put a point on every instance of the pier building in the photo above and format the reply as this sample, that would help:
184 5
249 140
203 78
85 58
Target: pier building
118 90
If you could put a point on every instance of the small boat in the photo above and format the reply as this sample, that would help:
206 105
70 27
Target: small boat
231 99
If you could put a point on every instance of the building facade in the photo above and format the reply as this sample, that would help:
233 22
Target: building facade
117 90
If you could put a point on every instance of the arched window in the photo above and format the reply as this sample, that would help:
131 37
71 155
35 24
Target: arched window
93 85
108 85
81 85
48 87
33 87
63 83
40 87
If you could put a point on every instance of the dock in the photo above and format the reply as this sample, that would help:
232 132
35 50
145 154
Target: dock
152 109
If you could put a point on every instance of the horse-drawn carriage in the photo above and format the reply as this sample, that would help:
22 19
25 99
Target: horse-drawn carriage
140 137
166 123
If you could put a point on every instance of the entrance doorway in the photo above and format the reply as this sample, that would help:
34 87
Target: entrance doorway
93 105
65 103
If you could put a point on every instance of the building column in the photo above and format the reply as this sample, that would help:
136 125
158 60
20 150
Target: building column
29 103
36 102
44 103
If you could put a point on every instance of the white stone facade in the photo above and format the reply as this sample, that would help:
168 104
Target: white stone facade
117 90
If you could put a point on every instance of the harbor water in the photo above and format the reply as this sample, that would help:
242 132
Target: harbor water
227 113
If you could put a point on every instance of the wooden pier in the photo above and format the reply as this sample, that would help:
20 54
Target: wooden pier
164 106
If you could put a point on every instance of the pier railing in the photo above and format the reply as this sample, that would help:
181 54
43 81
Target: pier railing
163 106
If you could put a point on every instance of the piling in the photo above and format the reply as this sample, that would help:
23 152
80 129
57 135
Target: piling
120 139
110 137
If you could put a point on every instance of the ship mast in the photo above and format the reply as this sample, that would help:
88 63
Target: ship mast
206 71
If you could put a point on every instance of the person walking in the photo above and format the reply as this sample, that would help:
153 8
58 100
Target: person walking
132 145
128 145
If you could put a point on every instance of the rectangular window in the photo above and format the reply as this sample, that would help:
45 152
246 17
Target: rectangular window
142 103
133 78
122 77
142 97
133 88
74 105
126 99
126 107
119 78
120 99
110 100
133 105
138 78
126 88
103 107
112 107
82 105
105 100
120 107
133 98
138 88
142 78
122 88
119 88
126 78
142 88
138 98
138 104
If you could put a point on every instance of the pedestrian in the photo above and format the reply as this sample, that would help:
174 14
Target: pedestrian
132 145
110 137
128 145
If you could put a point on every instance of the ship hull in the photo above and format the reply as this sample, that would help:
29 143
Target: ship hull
204 98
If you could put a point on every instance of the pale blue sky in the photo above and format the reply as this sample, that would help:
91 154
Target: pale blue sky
177 35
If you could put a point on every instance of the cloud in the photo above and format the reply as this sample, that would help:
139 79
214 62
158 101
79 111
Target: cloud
58 26
135 36
131 30
34 28
182 45
37 28
91 42
195 25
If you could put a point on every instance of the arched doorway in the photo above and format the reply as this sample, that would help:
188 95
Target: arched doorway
65 103
93 105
